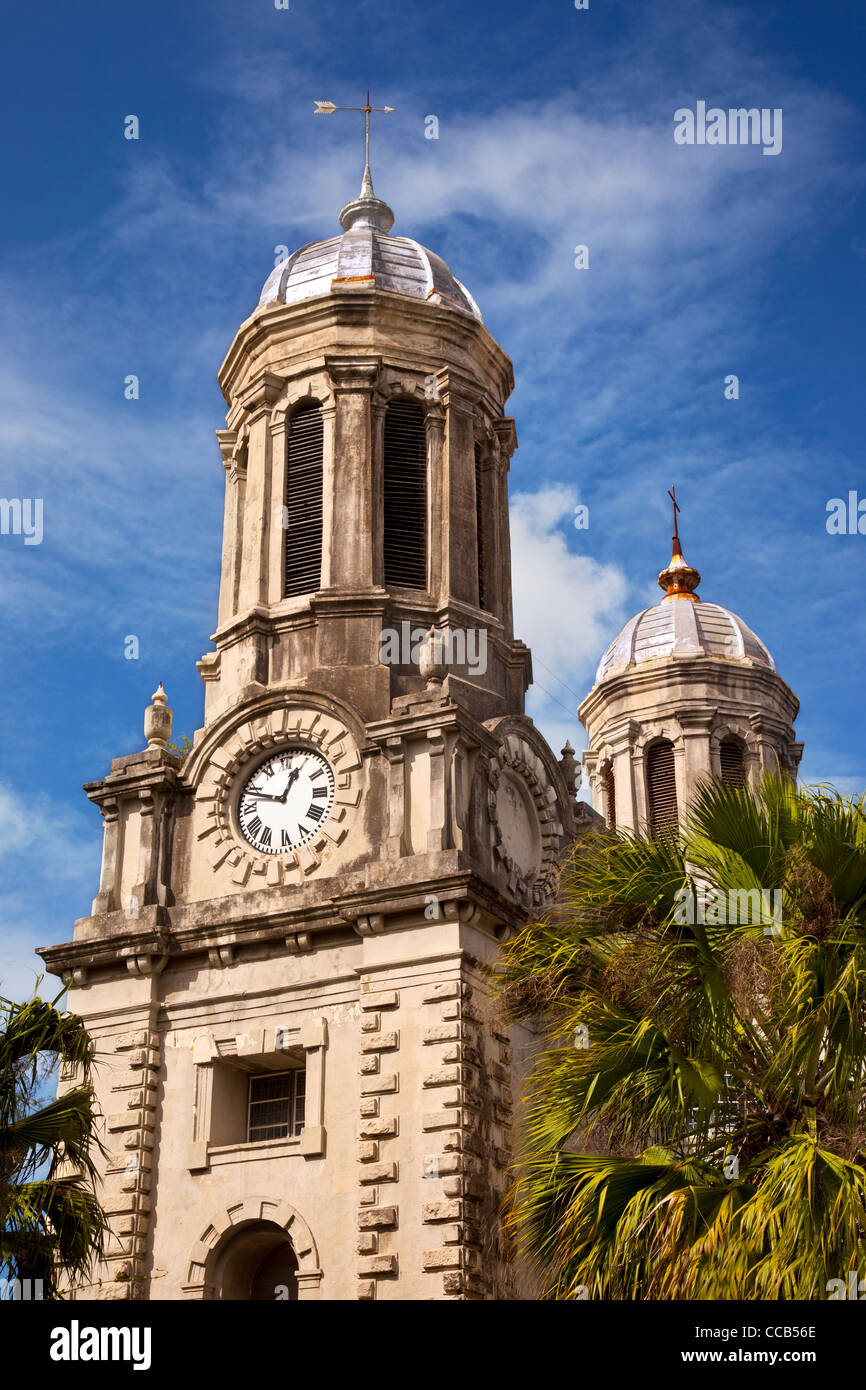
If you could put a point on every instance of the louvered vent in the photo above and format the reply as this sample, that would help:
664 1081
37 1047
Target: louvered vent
303 573
479 527
662 785
405 496
610 793
733 765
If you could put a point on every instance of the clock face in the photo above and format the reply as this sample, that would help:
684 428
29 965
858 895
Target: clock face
284 803
518 823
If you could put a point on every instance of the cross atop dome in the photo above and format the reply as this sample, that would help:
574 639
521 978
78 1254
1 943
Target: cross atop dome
679 580
366 210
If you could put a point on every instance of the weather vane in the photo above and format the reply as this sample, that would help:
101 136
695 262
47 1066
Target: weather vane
672 494
327 108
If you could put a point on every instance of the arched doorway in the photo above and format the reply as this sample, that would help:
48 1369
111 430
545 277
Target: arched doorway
258 1248
258 1264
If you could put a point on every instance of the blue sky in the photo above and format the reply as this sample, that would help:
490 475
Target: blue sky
555 129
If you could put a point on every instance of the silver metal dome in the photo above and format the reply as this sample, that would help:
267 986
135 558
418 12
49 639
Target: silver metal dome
677 628
366 252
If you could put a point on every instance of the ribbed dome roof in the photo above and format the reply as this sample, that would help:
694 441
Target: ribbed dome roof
682 626
672 630
367 252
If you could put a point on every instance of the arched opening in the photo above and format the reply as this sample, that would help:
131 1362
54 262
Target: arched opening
405 496
258 1264
662 788
733 762
303 514
610 797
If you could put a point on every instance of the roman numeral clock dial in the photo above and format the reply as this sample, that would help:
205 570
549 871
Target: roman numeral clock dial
284 803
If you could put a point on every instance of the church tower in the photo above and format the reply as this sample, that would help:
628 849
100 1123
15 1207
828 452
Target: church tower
685 691
307 1090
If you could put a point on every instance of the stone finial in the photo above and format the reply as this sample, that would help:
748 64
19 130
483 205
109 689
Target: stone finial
431 659
157 719
679 580
570 769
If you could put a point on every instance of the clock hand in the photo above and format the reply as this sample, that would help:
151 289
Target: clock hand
293 777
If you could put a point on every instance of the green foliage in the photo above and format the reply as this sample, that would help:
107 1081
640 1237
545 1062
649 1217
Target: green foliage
50 1221
181 748
696 1129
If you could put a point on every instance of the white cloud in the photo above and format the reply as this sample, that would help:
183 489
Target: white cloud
567 607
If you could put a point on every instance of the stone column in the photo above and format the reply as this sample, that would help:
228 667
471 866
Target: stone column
695 760
768 757
234 462
437 832
106 898
458 491
142 891
253 586
501 576
275 534
621 742
378 407
330 500
351 535
397 844
437 523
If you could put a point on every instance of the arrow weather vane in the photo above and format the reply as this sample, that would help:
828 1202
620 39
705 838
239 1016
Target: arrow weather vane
327 108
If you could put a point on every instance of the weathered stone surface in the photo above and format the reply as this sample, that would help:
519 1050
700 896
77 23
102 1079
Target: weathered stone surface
379 1085
206 961
442 1211
442 1259
378 1172
379 1128
378 1265
377 1218
380 1042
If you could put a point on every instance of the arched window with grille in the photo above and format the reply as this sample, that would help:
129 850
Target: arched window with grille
610 797
479 527
662 787
733 762
303 515
405 496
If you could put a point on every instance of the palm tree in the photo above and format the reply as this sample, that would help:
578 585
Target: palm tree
51 1224
697 1129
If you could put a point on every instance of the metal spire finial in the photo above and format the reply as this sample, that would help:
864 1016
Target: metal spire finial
679 580
367 209
672 494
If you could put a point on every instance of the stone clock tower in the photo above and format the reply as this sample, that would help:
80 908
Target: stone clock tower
307 1090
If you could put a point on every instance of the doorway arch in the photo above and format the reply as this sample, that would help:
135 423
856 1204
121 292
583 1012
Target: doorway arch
257 1250
257 1264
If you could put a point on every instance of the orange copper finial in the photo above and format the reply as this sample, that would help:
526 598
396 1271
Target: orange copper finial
679 580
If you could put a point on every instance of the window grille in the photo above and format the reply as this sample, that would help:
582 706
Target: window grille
405 496
610 794
303 516
276 1105
733 763
662 786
